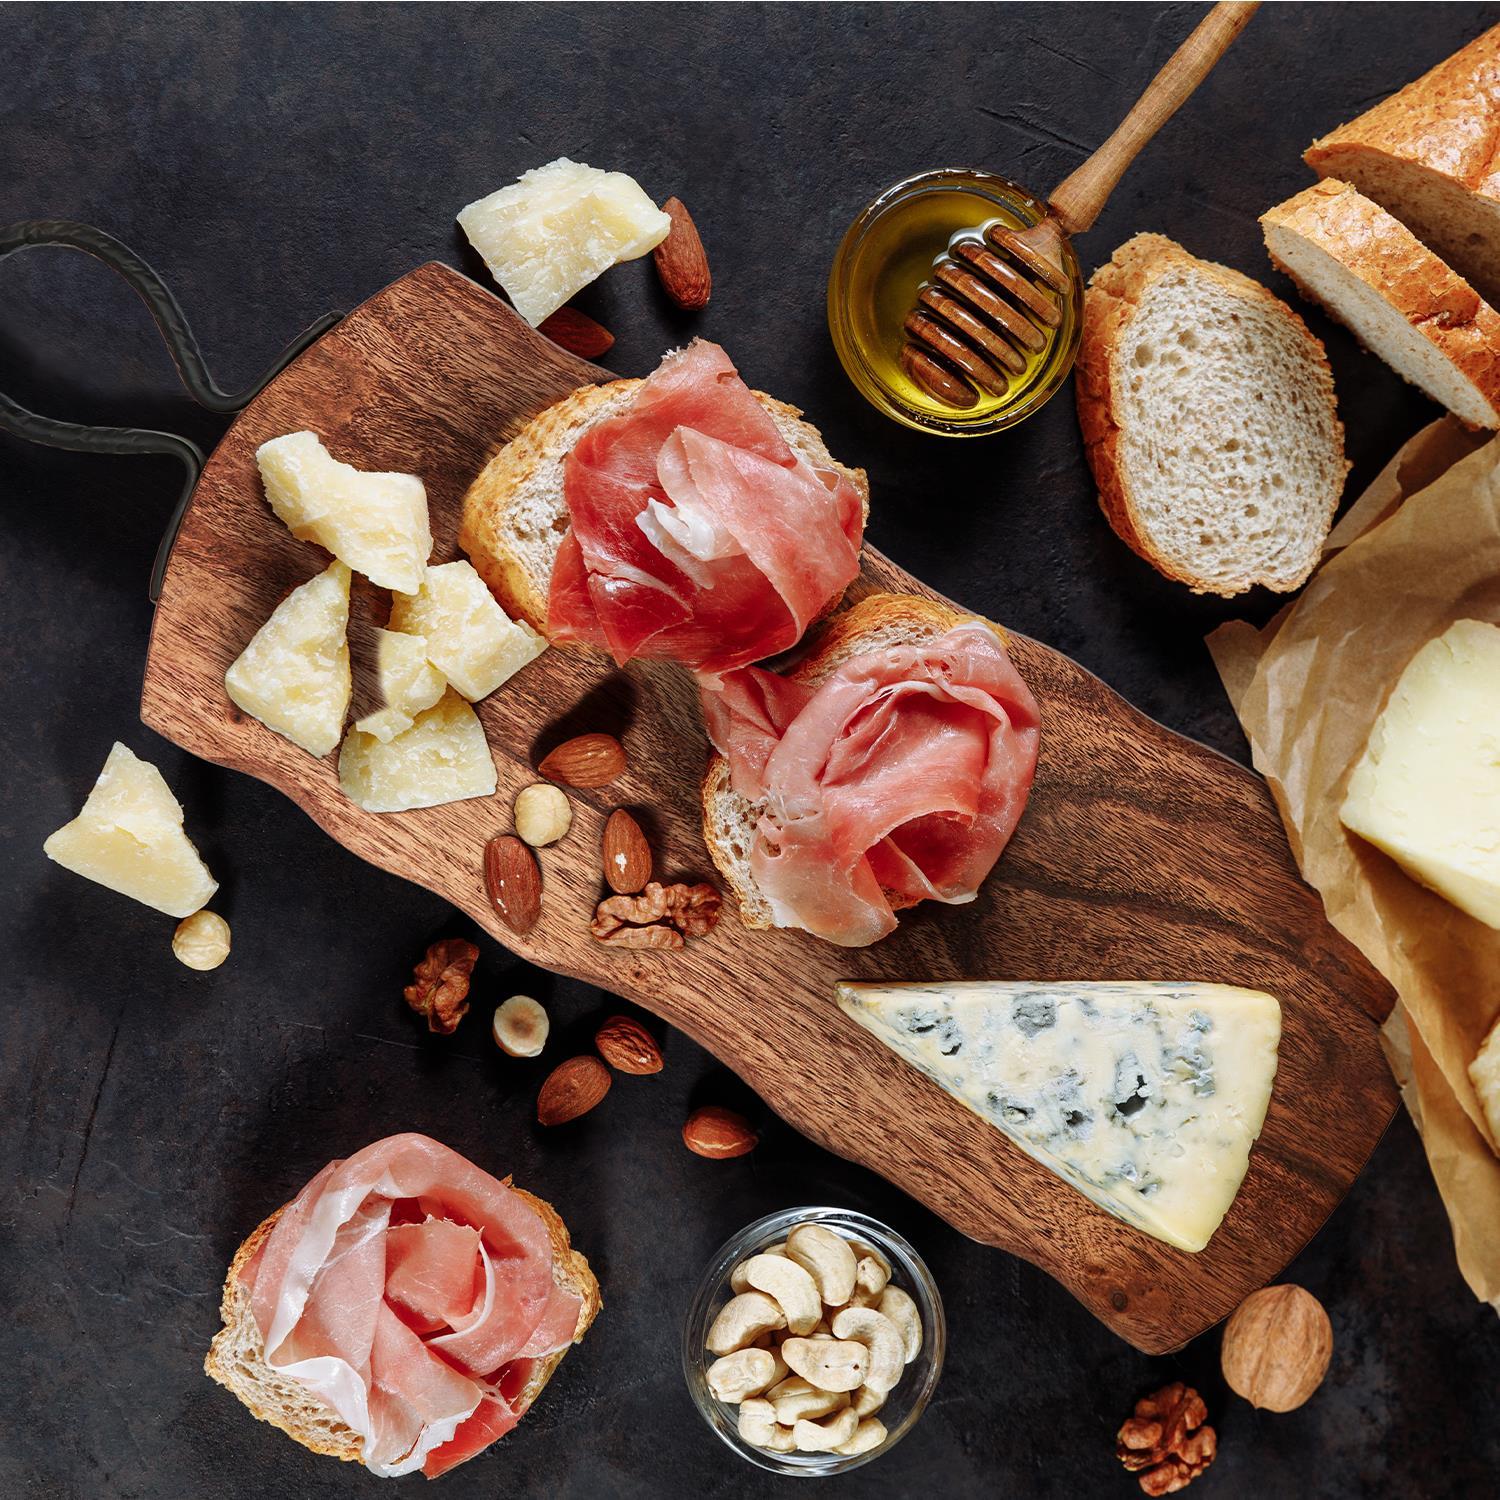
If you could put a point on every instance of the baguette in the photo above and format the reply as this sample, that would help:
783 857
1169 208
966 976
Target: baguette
729 819
515 515
1208 419
1430 155
236 1357
1398 298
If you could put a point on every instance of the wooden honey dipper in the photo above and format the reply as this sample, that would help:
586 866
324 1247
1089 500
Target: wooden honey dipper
992 303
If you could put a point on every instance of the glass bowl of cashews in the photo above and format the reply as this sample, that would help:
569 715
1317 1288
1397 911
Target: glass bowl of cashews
814 1341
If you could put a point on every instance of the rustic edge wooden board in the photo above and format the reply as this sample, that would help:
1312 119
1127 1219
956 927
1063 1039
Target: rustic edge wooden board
1142 855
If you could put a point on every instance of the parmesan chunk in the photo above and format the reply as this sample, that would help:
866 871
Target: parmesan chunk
443 757
408 684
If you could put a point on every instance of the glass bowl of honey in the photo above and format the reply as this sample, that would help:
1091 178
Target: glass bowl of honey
884 261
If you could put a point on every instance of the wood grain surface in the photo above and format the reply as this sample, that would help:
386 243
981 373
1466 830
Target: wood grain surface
1142 855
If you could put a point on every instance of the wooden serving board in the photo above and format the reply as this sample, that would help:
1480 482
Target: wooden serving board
1142 855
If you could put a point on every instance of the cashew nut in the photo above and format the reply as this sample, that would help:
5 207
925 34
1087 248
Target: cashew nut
781 1441
871 1275
742 1320
826 1256
829 1364
791 1286
794 1400
902 1311
746 1372
827 1435
867 1402
737 1282
881 1337
869 1434
757 1421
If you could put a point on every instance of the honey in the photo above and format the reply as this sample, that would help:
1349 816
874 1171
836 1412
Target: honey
887 256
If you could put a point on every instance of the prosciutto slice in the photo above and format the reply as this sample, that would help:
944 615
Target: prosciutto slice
697 533
410 1291
899 778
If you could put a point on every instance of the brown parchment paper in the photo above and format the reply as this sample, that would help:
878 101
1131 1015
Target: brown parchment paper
1419 550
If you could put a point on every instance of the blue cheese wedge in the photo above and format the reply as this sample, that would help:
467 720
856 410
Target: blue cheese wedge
1145 1097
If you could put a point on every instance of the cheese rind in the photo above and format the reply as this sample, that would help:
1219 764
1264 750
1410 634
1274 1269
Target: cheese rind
377 523
1484 1074
408 684
294 675
470 639
1427 788
1145 1097
443 757
550 234
128 837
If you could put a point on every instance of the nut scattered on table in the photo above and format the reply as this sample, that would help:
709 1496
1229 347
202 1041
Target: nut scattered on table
627 1046
513 882
520 1027
543 814
1168 1442
201 940
681 260
440 986
587 760
718 1133
1276 1347
627 855
577 333
572 1089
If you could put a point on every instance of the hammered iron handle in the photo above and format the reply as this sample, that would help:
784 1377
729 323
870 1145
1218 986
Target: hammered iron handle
183 347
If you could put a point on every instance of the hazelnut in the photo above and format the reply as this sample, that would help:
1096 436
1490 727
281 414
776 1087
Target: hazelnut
543 814
1276 1349
201 940
520 1027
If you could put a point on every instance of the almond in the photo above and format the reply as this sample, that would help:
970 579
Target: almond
681 261
513 882
628 1046
577 333
585 760
719 1133
572 1088
627 855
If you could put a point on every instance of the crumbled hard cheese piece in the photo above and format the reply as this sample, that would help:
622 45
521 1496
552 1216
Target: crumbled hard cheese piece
294 675
470 639
377 523
550 234
1145 1097
443 757
408 684
129 837
1427 789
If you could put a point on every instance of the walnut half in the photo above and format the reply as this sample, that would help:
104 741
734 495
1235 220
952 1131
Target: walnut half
643 921
1167 1442
440 986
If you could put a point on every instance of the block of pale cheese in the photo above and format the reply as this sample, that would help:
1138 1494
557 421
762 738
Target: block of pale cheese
1484 1073
129 837
294 675
1145 1097
443 757
1427 788
550 234
377 523
470 639
408 684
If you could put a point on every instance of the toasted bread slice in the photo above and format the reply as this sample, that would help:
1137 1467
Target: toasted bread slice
1209 420
728 818
1397 297
515 516
1428 154
236 1358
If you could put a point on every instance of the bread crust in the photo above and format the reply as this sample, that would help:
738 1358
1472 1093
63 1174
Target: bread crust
1448 121
910 617
487 532
1386 256
274 1398
1114 294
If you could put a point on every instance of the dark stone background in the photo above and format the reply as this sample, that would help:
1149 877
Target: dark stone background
275 162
